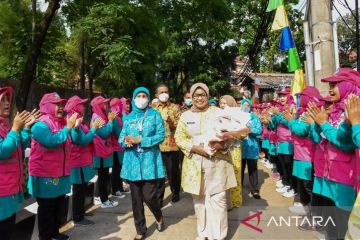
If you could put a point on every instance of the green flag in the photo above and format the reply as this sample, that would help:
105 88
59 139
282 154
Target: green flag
293 60
274 4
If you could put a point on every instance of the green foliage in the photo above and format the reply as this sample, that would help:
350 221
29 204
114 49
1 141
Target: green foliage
347 39
143 42
15 35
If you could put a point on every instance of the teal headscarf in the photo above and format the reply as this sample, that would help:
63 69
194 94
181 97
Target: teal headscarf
135 93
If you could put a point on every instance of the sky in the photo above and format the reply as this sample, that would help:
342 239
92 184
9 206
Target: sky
338 4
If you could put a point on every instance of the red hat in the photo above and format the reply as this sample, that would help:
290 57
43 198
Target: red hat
51 98
285 91
344 74
7 90
74 101
311 92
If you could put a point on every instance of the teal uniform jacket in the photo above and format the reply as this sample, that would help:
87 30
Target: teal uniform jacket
250 145
9 205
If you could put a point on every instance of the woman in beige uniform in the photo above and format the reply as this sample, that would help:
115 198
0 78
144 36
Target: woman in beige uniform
204 177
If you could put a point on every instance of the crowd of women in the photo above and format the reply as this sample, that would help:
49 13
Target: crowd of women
311 146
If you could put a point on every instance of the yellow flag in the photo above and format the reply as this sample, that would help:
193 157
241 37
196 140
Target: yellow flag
281 19
298 82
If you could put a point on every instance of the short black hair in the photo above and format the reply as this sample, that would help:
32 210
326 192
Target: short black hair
161 85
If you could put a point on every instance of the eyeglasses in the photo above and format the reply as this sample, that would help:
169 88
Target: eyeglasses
198 96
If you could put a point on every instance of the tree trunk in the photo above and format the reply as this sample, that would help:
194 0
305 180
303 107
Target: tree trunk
34 53
82 65
33 8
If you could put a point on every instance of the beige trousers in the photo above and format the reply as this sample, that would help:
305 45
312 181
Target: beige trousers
211 213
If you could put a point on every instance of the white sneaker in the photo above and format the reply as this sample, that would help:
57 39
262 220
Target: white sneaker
279 184
298 204
300 210
119 194
289 193
283 189
109 204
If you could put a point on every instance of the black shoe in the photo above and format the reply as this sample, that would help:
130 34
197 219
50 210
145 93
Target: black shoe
160 226
256 195
88 214
83 223
61 237
175 197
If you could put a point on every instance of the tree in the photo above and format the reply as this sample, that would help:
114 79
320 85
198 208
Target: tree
34 53
347 38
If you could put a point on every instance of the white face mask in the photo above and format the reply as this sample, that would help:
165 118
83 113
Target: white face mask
164 97
141 103
188 102
245 108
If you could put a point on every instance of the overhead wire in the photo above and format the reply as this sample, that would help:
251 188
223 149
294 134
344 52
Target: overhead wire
347 25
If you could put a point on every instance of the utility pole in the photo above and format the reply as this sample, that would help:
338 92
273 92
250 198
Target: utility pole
319 18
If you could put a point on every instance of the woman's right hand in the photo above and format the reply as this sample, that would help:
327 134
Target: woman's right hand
200 151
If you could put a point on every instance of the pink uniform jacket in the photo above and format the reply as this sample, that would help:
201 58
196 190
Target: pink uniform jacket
50 162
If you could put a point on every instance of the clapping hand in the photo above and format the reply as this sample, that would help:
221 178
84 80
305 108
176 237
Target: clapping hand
34 116
112 115
71 121
318 114
97 123
20 120
352 109
307 118
288 115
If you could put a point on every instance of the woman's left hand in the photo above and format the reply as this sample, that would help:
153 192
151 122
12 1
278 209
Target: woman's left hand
35 115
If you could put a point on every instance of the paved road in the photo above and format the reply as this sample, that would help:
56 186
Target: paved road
276 222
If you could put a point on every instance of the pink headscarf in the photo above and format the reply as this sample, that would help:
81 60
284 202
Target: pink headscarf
98 108
125 101
348 81
289 99
48 105
75 104
345 89
117 105
309 94
4 122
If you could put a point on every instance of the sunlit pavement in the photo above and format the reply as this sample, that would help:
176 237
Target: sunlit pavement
117 223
